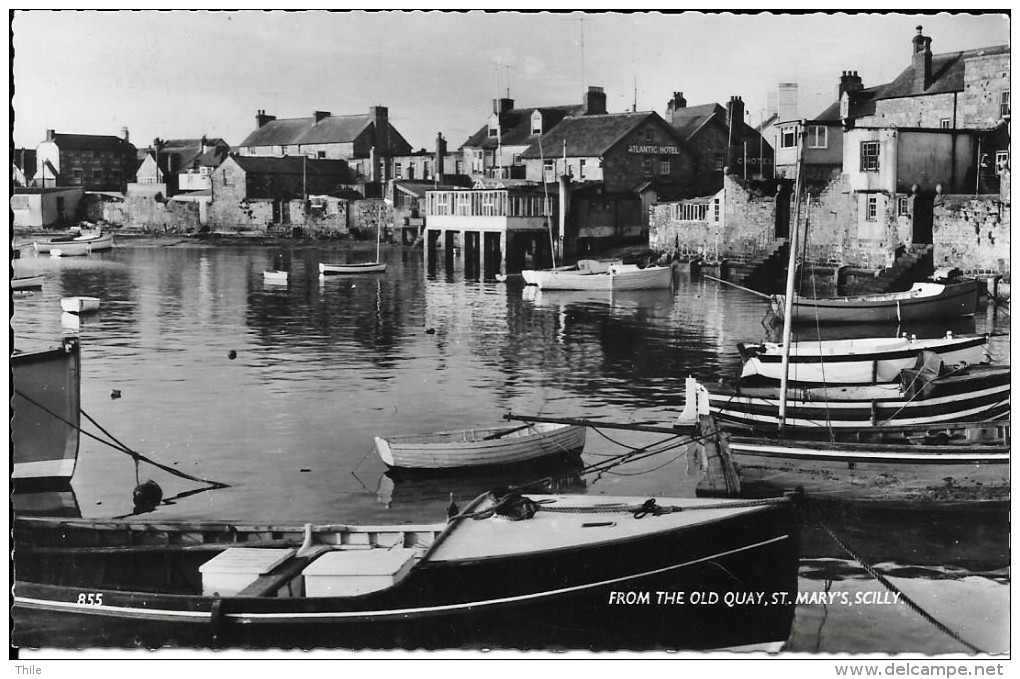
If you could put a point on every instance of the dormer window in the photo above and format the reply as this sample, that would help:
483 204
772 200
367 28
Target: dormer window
536 122
493 127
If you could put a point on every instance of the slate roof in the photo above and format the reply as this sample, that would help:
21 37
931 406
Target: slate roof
293 165
947 71
688 120
92 142
292 131
516 126
588 135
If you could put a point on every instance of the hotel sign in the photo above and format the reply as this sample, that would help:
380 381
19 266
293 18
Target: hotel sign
655 150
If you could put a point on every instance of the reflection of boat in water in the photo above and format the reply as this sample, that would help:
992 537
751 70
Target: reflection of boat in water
510 571
543 298
44 428
54 503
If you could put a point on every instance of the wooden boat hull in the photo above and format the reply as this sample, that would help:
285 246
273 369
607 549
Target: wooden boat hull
856 361
982 393
46 416
543 582
924 302
275 276
26 282
619 277
366 267
70 249
97 242
480 448
948 477
79 305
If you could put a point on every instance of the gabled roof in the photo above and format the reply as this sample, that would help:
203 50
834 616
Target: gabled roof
591 135
292 131
515 126
687 121
92 142
293 165
947 72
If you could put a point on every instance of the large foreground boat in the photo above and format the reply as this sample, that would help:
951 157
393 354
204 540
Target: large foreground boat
510 571
923 302
46 416
484 447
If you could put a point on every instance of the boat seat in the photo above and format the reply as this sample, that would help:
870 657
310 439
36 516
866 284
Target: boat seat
272 582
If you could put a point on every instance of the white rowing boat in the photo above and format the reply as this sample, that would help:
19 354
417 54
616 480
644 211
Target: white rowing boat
79 305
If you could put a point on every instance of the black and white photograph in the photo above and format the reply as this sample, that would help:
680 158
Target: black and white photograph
510 335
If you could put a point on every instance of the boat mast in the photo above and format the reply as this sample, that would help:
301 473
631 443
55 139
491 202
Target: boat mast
791 273
545 205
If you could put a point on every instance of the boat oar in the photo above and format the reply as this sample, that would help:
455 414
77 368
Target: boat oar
739 287
501 434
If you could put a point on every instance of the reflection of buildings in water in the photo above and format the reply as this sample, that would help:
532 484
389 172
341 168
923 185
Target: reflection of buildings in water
59 503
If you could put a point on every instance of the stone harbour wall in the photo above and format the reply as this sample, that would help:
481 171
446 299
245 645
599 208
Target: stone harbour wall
972 234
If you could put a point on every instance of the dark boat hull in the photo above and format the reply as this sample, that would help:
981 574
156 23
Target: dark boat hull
956 300
599 597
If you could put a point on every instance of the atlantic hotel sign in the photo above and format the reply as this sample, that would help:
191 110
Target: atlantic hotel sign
656 150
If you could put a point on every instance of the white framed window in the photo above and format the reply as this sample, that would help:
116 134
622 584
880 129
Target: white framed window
549 168
646 164
869 156
817 137
1001 160
77 176
788 137
871 211
580 169
945 123
398 171
1004 104
903 206
716 209
321 155
517 159
663 166
536 122
719 162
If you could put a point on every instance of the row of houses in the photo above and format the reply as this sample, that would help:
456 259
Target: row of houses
599 178
918 166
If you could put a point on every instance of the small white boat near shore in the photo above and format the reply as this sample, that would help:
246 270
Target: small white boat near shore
79 305
618 277
71 249
275 276
484 447
364 267
26 282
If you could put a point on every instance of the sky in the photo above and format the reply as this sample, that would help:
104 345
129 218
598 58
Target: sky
182 74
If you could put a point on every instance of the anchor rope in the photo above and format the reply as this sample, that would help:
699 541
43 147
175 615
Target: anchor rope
117 445
928 617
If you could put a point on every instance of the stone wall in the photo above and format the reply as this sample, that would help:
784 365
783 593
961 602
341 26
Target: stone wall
147 213
972 233
229 213
369 214
985 79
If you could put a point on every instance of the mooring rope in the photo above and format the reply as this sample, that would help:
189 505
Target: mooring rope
118 446
903 597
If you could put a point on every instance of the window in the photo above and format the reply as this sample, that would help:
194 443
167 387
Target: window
646 163
536 122
76 176
548 168
720 161
817 137
869 156
517 159
715 209
321 155
1004 104
788 138
903 206
410 171
945 123
1001 160
398 170
664 166
459 167
580 169
493 132
872 210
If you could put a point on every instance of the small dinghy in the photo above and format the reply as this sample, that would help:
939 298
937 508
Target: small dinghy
480 447
275 276
71 249
26 282
79 305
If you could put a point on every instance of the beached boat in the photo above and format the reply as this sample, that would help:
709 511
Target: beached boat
510 571
923 302
44 246
486 447
46 416
873 359
26 282
275 276
79 305
974 393
945 468
618 277
70 249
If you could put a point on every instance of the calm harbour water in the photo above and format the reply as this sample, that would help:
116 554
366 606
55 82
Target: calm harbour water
322 367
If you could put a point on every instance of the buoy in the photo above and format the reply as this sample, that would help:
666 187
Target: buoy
231 354
430 331
115 393
147 495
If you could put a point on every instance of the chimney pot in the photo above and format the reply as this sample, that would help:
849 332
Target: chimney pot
319 115
50 135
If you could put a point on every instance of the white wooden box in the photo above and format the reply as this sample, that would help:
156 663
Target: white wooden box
233 569
352 572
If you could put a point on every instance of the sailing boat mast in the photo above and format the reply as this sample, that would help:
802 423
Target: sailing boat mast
791 273
545 204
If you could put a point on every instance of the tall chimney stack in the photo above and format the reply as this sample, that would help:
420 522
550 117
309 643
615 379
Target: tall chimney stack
124 134
261 118
381 122
319 115
594 101
440 156
51 135
921 61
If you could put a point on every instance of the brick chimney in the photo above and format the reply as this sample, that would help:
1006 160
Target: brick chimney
380 120
125 135
850 82
205 144
921 61
51 135
675 104
261 118
319 115
735 116
503 105
440 155
594 101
